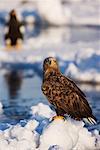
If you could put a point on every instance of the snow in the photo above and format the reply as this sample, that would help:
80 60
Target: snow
50 9
75 12
42 110
19 138
1 108
67 135
30 19
56 134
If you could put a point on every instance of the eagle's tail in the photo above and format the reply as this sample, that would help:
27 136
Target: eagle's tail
91 120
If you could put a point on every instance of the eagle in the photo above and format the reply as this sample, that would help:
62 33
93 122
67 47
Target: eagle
13 30
64 94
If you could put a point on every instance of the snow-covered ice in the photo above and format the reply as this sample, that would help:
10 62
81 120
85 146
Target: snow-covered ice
56 135
67 135
82 62
42 110
75 12
1 108
59 133
19 138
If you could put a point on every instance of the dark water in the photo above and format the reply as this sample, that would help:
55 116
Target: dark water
19 92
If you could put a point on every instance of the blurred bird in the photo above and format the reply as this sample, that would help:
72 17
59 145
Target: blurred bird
64 94
13 31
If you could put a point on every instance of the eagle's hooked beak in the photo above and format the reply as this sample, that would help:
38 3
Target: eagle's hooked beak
52 63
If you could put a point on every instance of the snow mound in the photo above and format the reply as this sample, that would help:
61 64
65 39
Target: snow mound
56 135
42 110
61 133
67 135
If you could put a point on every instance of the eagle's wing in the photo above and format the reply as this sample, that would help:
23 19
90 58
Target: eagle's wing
76 106
74 103
71 84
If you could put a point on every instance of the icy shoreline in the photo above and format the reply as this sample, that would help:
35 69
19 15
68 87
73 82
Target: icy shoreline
40 133
82 63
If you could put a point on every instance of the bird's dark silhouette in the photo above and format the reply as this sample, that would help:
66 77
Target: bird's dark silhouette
64 94
14 34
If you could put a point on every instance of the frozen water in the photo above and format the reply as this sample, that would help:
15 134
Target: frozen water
56 135
19 138
82 63
1 108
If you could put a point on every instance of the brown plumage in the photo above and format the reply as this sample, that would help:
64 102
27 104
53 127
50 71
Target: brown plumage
64 94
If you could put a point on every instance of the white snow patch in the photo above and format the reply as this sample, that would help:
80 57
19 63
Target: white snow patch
72 69
42 110
1 108
85 54
30 20
67 135
52 12
19 138
4 56
59 132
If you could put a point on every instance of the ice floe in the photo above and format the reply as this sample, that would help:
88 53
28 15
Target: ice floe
55 135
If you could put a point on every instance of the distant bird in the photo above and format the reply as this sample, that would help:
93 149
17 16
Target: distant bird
64 94
13 30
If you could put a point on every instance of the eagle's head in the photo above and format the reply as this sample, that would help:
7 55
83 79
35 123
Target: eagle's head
49 64
13 13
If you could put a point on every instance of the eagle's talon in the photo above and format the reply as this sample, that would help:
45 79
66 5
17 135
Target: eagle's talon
58 117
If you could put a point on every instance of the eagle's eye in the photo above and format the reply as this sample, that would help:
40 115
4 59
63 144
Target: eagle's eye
49 62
